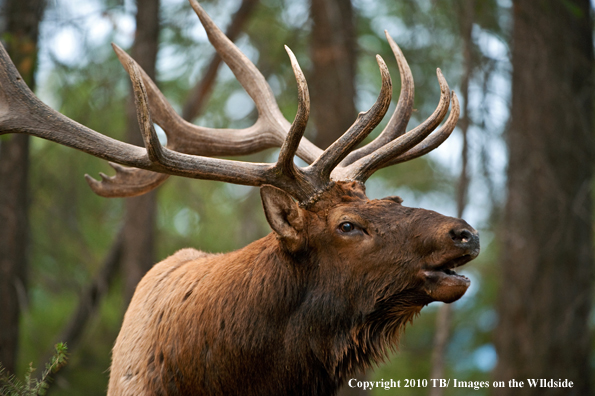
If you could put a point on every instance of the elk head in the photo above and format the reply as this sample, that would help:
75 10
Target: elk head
376 241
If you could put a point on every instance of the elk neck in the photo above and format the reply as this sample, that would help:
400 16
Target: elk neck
326 316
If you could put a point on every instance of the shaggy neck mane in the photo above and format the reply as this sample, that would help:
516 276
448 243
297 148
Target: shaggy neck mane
347 330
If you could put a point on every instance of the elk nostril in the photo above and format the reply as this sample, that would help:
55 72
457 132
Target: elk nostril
461 236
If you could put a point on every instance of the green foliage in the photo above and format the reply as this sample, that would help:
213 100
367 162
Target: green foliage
31 386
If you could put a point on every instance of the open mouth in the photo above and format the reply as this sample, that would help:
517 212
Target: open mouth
443 283
448 266
453 273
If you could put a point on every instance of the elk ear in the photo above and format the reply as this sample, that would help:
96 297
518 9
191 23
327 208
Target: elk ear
284 216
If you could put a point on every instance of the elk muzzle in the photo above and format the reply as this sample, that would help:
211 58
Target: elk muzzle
442 283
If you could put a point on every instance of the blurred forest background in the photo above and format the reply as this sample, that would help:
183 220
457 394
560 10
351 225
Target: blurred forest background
518 168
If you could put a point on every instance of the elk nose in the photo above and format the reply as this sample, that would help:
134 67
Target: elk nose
465 238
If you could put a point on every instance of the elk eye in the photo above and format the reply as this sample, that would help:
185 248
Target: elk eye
346 227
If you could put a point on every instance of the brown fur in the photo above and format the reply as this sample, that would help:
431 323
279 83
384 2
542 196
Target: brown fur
294 313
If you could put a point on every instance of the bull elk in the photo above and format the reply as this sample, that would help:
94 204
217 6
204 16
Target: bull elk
299 311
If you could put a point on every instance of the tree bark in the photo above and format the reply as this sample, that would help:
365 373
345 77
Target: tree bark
332 47
547 238
139 228
22 29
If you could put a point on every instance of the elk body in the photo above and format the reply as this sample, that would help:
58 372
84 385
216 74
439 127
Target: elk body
299 311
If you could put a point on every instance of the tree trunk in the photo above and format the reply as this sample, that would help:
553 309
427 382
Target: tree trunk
332 46
139 228
466 13
547 251
22 28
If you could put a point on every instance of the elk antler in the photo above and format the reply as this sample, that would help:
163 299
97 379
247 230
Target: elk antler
190 148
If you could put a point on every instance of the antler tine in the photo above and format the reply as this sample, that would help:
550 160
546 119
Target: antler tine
128 182
254 83
244 70
362 169
435 139
363 125
298 126
143 115
398 122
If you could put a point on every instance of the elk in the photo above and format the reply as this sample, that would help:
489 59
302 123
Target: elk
297 312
